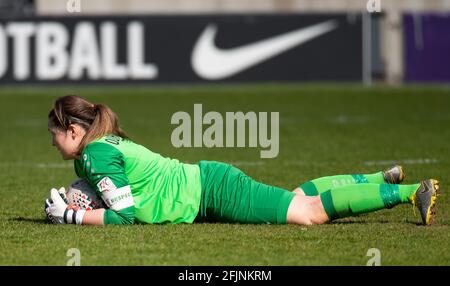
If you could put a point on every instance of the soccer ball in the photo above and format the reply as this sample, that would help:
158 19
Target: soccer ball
82 195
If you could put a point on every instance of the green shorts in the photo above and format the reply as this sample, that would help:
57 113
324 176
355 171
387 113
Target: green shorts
229 195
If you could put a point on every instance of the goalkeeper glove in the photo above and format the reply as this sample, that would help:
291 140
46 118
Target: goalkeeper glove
58 211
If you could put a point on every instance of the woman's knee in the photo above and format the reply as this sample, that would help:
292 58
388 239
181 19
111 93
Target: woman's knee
318 214
299 191
306 210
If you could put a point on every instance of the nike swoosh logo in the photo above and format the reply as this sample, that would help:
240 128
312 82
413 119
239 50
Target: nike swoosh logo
212 63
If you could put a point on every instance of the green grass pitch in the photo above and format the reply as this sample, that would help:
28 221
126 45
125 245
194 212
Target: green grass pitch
324 130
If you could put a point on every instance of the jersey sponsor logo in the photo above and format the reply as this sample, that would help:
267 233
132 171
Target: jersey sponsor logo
106 185
119 199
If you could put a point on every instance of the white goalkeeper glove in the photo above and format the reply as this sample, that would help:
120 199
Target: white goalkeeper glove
62 193
59 212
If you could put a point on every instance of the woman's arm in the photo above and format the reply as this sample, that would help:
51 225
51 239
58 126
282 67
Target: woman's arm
94 217
103 167
108 216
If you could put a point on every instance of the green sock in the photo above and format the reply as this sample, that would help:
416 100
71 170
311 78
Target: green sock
362 198
320 185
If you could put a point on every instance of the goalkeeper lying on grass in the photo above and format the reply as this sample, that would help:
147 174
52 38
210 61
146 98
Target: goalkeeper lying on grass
140 186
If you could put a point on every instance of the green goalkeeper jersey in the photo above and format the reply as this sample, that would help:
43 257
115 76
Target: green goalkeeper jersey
163 190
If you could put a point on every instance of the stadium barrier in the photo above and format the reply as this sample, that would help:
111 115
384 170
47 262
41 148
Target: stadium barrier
182 48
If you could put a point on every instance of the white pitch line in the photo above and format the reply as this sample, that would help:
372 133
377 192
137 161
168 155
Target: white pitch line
344 119
404 161
247 163
235 163
37 165
30 122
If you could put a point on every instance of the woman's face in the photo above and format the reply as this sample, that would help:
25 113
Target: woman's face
67 142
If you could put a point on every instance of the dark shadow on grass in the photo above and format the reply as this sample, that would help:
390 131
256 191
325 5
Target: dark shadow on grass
349 222
414 222
32 220
45 221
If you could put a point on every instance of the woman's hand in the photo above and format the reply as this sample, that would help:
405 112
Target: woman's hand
59 212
